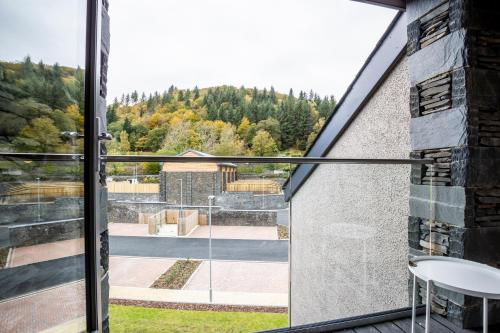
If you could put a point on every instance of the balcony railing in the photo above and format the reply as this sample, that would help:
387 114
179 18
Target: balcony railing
334 246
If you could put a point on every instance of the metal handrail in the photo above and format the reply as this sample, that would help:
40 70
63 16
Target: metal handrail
213 159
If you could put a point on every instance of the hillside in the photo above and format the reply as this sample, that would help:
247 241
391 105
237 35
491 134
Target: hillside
38 103
222 120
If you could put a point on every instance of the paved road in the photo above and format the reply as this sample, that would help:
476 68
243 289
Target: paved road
197 248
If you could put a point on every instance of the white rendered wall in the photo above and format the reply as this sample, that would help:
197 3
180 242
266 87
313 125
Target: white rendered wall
350 222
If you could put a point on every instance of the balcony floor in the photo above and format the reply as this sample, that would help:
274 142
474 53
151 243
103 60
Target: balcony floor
438 325
395 321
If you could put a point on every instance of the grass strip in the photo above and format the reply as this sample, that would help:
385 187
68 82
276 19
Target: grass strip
177 275
151 320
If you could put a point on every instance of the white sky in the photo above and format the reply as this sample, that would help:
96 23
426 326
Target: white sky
299 44
48 30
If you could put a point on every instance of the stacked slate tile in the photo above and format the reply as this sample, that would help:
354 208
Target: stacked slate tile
439 172
435 25
435 94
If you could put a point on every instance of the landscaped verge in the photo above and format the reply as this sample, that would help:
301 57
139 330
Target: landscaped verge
177 275
151 320
4 255
282 231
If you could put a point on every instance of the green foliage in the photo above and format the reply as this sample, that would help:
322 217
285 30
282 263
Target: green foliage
152 168
263 144
124 143
220 120
41 136
38 103
154 139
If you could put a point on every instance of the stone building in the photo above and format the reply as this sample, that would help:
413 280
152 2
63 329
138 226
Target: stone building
430 89
198 180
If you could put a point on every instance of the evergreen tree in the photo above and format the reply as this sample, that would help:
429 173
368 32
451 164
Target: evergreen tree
27 67
127 99
134 97
272 95
143 97
111 114
196 92
287 121
80 89
127 126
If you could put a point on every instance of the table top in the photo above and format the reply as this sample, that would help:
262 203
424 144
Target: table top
463 276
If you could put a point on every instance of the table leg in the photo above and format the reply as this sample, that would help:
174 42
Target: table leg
428 307
414 304
485 315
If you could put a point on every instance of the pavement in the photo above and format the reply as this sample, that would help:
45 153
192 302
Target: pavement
197 248
199 297
201 231
241 276
233 282
128 229
43 252
58 309
136 272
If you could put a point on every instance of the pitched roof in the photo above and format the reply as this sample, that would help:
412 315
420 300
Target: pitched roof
191 152
389 49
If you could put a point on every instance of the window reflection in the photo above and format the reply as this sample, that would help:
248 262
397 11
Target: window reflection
41 202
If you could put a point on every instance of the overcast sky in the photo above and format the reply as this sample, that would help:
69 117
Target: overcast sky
299 44
48 30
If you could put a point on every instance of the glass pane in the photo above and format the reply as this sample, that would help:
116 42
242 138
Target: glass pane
41 202
213 233
351 231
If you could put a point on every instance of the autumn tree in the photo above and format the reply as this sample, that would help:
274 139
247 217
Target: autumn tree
124 143
263 144
41 136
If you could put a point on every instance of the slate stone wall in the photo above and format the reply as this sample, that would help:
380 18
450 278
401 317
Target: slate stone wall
248 200
196 187
127 212
454 57
154 197
60 209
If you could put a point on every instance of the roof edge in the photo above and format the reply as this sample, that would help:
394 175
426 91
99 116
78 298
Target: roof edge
389 50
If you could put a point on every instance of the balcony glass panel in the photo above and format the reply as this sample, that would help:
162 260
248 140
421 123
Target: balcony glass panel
41 202
352 234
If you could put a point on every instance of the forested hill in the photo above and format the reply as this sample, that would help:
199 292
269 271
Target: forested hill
39 103
41 108
222 120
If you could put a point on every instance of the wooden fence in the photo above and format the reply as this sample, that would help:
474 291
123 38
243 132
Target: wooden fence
44 190
191 218
255 185
126 187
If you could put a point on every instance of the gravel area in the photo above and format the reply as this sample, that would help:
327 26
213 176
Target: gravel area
177 275
199 307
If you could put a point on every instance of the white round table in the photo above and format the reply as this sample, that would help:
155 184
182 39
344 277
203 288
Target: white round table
459 275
